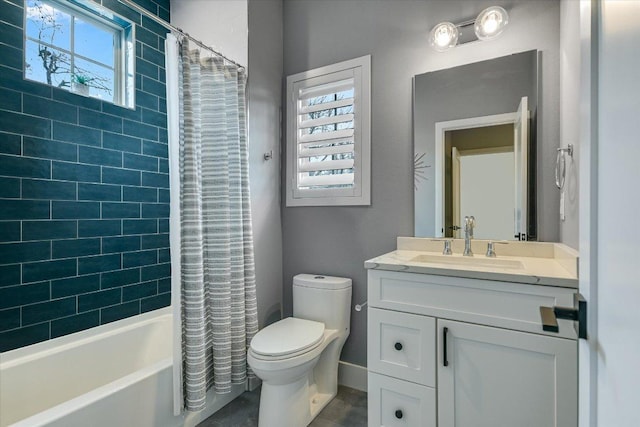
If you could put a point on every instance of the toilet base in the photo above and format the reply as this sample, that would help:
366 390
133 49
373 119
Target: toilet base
291 405
295 390
317 403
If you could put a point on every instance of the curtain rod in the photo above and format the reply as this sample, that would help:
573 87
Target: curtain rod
168 26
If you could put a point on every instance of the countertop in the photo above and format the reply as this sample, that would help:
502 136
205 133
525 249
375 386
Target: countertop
539 263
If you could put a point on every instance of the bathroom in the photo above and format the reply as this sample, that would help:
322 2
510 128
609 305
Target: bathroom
49 134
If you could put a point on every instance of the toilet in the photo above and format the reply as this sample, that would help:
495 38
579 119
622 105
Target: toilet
297 358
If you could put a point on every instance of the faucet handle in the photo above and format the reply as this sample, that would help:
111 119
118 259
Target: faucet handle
447 247
491 253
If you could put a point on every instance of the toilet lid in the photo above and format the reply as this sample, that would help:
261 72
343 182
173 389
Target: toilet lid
287 336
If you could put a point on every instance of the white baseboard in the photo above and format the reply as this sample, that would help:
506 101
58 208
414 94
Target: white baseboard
354 376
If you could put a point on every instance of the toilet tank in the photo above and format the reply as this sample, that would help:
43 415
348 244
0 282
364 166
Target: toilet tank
324 299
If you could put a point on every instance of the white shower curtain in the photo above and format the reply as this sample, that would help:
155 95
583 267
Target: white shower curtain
214 296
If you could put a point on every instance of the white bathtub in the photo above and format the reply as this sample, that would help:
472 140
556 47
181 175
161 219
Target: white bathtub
115 375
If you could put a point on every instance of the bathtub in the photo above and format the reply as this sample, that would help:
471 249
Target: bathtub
119 374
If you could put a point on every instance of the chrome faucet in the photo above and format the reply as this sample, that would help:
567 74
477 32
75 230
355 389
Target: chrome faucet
469 223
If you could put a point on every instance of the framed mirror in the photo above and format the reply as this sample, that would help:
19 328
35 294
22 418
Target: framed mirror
474 148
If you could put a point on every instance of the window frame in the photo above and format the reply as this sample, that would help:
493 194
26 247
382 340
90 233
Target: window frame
123 32
360 193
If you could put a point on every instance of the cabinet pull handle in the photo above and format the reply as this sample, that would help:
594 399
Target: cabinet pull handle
445 362
399 414
398 346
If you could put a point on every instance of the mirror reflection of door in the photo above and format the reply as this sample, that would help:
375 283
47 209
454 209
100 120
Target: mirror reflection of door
480 181
485 175
458 220
521 148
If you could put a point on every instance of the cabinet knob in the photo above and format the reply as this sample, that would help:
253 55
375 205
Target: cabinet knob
399 414
398 346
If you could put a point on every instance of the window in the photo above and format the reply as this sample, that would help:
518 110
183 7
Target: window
328 135
80 47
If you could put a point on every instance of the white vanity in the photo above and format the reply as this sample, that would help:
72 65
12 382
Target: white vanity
458 341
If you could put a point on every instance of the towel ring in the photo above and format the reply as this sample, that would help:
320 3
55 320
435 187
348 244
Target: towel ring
561 165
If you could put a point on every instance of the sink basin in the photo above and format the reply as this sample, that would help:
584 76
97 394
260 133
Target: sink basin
469 261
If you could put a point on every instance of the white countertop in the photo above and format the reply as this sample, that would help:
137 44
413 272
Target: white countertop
539 263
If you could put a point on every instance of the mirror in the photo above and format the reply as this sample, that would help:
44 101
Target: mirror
474 148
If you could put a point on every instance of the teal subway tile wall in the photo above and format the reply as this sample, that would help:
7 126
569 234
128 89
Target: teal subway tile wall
84 200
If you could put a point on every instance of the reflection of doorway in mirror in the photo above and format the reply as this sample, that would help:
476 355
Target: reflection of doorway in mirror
487 191
457 219
479 180
499 133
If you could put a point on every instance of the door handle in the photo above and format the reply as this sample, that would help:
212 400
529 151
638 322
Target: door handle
550 315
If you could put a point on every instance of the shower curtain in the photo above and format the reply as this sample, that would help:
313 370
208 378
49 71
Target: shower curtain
213 276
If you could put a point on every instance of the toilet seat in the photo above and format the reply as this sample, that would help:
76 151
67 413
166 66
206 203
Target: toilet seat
286 338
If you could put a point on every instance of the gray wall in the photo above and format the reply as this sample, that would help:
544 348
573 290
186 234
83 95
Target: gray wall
265 76
337 240
570 114
221 24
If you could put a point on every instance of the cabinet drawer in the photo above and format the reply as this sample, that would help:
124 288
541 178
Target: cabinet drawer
396 403
402 345
488 302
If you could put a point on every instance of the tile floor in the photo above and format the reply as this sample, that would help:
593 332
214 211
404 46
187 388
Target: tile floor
347 409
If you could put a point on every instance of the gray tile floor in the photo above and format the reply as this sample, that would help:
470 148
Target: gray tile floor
347 409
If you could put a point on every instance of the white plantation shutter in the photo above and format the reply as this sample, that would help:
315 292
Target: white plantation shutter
328 135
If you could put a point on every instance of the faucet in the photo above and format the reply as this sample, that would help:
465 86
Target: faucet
469 223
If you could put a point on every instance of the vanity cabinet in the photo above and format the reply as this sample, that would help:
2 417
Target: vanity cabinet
449 351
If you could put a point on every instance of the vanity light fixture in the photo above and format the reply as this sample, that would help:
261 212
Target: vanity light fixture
489 24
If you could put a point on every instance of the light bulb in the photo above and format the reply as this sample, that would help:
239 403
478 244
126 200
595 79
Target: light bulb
491 22
443 36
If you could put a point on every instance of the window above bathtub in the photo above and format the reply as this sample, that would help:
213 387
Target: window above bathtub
81 47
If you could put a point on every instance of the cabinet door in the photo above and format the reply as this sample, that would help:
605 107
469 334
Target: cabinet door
397 403
490 377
